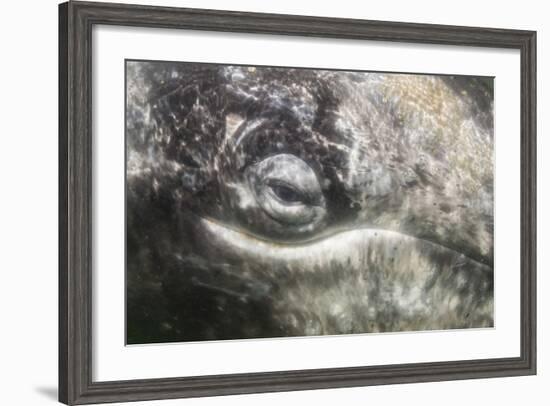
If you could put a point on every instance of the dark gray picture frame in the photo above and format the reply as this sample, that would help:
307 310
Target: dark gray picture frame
76 20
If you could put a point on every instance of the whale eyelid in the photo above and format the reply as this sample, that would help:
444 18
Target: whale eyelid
282 182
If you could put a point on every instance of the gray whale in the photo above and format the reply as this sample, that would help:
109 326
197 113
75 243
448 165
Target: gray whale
270 202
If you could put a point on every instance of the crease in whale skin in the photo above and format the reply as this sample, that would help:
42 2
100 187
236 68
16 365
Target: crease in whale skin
356 281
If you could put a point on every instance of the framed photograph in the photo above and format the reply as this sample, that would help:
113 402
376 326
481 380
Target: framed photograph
257 202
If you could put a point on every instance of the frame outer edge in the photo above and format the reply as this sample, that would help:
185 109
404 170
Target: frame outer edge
533 118
75 202
528 202
529 67
64 367
290 24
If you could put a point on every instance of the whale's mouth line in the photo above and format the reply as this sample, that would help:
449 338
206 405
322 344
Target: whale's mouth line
242 238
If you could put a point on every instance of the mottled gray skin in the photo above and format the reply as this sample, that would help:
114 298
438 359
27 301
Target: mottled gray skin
270 202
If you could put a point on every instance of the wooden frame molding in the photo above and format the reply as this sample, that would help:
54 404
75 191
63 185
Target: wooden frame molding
76 20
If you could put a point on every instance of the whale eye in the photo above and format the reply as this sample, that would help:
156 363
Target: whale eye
285 193
287 190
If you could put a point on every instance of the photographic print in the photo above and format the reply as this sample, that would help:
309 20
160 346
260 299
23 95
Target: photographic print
267 202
